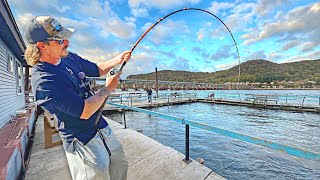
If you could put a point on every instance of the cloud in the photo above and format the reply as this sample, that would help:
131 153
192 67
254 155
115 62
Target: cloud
97 55
223 52
169 55
166 30
145 62
300 20
200 34
103 17
256 55
159 4
310 56
42 7
264 7
210 69
93 9
290 45
203 32
215 6
180 64
308 46
226 66
237 19
143 6
140 12
275 56
200 52
130 19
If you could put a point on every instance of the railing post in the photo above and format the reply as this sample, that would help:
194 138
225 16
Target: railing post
187 159
124 118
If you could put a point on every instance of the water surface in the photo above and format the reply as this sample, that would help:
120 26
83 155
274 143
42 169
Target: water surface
233 158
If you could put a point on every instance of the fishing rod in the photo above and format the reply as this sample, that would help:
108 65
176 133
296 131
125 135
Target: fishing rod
114 71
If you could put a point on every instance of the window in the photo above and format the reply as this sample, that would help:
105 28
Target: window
19 77
10 63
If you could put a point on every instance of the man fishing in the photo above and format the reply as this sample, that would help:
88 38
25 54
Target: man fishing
59 83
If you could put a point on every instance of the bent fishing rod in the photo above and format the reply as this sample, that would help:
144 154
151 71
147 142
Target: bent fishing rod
115 71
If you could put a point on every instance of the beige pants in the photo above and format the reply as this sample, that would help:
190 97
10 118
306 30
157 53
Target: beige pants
92 161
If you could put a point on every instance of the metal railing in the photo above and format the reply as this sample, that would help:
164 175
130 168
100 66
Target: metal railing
142 98
254 140
283 99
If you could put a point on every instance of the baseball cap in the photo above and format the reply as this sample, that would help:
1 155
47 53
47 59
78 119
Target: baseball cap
43 27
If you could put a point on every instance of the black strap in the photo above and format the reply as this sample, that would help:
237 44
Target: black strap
104 142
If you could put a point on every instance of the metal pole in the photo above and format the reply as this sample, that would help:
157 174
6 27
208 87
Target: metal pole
124 118
26 78
187 159
157 82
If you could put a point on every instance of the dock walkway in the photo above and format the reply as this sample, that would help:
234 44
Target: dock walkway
265 105
148 159
261 102
154 103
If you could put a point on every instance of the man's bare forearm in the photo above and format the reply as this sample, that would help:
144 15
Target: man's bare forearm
105 67
93 103
103 93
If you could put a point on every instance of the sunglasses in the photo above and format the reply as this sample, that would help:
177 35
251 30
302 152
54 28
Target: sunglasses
59 40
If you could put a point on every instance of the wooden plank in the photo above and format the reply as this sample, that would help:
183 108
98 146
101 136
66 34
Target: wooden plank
214 176
46 163
147 158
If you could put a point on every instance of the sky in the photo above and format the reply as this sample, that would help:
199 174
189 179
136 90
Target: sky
280 31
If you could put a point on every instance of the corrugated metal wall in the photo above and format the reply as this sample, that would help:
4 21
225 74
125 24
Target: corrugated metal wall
11 99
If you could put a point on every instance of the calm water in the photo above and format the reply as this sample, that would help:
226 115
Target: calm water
232 158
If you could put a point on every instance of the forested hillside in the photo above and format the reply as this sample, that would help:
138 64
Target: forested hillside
262 71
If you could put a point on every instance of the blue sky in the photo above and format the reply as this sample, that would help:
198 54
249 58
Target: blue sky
277 30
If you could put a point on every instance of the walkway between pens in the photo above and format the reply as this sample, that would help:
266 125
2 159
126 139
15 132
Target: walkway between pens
148 159
154 103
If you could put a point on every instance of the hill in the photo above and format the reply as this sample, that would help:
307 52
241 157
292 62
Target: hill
262 71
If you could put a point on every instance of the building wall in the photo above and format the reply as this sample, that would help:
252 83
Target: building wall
12 96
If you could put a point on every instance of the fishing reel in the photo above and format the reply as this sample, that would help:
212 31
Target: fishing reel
114 71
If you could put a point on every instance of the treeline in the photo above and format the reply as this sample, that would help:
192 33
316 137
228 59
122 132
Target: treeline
253 71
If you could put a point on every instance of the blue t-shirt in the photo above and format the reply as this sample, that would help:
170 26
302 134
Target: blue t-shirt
62 89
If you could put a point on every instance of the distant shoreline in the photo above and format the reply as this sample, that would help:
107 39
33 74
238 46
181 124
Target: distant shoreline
282 89
131 90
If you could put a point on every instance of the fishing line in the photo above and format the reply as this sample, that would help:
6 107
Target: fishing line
115 71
